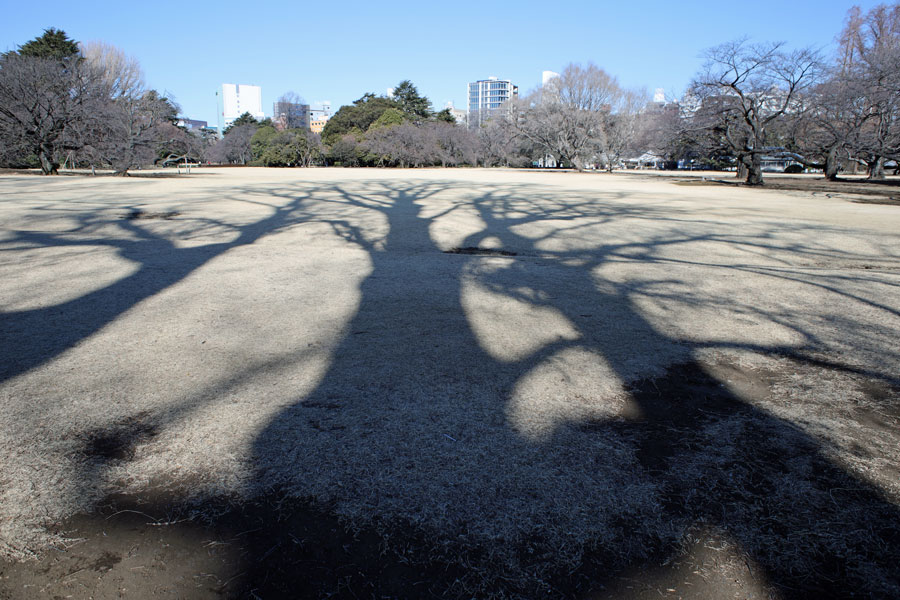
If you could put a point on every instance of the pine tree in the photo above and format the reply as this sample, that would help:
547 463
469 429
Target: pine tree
407 96
54 43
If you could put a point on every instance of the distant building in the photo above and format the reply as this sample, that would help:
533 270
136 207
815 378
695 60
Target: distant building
323 112
547 77
290 115
237 99
319 116
487 98
191 124
458 114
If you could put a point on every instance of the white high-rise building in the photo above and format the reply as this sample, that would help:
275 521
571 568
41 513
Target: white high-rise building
235 99
486 98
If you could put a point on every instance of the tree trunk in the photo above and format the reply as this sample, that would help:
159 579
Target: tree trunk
48 165
876 169
741 171
754 170
832 164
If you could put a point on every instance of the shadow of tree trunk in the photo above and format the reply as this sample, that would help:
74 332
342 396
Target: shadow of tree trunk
415 425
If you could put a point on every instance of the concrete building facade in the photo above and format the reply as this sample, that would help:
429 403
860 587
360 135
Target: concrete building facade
318 117
235 99
487 98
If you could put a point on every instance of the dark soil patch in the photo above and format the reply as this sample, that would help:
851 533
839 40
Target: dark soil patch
480 251
142 215
119 441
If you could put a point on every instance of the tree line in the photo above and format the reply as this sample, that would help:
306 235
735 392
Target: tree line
88 104
61 101
828 113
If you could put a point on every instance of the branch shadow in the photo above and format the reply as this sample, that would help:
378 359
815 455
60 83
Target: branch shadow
426 420
510 426
36 336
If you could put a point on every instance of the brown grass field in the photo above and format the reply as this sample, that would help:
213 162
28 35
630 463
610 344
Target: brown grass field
263 383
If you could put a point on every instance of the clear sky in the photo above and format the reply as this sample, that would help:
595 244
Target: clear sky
339 51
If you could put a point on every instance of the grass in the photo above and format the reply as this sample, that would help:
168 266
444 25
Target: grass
482 383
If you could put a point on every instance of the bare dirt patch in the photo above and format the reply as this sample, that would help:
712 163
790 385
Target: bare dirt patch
473 251
140 214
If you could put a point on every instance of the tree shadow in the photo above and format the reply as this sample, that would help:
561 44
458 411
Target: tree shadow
513 425
527 459
33 337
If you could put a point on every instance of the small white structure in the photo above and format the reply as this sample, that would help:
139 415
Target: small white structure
458 114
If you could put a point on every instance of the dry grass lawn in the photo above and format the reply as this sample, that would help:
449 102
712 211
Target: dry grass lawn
502 383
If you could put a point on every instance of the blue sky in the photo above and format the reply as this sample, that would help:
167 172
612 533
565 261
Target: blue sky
338 51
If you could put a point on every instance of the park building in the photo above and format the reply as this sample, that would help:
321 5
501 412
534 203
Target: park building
488 98
235 99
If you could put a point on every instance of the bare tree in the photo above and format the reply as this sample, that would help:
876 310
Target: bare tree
660 131
345 151
456 145
496 143
287 148
621 124
869 59
290 112
45 104
133 122
135 130
583 116
404 145
234 148
831 123
744 89
120 74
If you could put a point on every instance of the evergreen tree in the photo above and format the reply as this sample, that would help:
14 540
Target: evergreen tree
389 118
445 115
244 119
47 99
407 97
356 117
54 43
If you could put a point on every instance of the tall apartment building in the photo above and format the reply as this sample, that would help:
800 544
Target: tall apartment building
290 115
486 99
237 99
